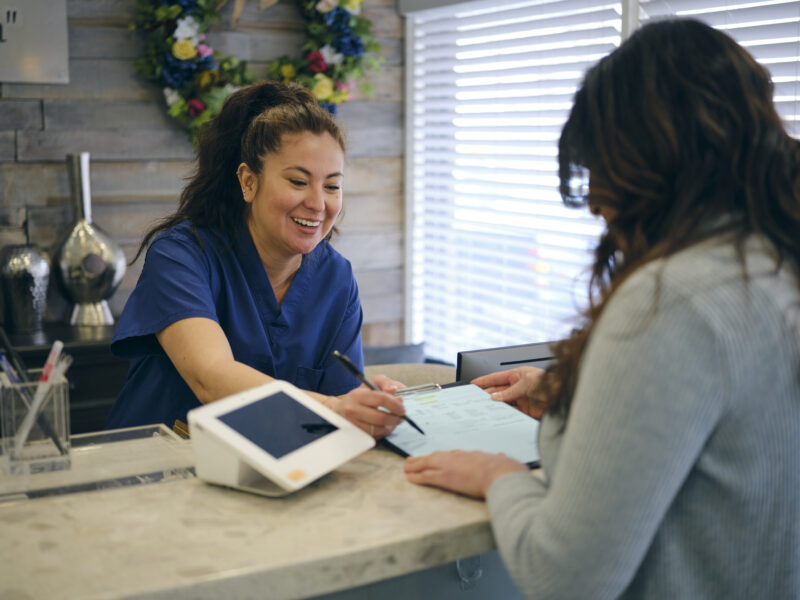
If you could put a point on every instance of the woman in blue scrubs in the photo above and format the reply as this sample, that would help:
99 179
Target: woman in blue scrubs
240 285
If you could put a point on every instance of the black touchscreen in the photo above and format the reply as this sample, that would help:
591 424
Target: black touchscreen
277 423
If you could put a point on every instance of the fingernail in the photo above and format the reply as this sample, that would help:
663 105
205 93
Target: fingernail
496 397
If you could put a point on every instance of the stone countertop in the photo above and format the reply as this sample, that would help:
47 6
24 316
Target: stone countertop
188 539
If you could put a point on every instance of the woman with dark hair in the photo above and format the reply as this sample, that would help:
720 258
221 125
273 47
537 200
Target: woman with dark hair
670 434
239 285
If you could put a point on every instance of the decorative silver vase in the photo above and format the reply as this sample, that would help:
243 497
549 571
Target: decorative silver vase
25 273
90 263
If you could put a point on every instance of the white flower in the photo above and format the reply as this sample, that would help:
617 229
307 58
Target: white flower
325 6
171 95
331 56
186 29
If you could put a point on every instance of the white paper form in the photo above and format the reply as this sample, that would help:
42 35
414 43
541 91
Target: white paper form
465 418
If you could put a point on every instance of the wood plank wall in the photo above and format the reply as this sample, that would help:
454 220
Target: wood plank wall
140 159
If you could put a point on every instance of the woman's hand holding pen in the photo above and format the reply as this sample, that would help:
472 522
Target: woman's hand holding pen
514 387
360 407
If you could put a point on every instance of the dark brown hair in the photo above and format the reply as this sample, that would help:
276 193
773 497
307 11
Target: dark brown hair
679 132
249 127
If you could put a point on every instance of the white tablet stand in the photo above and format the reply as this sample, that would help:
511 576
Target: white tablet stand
271 440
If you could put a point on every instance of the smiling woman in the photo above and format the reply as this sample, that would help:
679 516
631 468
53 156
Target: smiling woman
240 285
296 198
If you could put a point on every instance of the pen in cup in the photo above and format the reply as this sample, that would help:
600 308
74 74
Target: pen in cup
13 357
55 366
354 370
17 374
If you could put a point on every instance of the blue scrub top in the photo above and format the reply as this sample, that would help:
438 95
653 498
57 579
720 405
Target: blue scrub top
226 282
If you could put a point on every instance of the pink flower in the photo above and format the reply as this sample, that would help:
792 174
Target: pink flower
316 62
195 107
342 86
204 50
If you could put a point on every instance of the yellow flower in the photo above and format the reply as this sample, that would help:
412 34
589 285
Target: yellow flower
323 88
339 96
184 49
353 6
208 78
288 72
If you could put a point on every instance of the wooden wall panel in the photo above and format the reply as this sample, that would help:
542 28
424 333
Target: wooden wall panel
91 79
118 12
88 114
373 175
254 45
371 248
103 144
97 41
20 114
47 184
140 159
365 210
8 145
382 334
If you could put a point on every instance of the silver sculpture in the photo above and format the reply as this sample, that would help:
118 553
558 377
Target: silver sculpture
90 263
25 272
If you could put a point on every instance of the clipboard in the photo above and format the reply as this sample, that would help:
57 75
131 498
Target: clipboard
463 417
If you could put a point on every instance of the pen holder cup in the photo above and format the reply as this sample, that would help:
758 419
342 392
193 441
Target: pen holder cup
34 443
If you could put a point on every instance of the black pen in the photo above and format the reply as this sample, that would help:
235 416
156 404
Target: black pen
351 366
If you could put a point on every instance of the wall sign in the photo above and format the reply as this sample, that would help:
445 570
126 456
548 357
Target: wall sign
33 41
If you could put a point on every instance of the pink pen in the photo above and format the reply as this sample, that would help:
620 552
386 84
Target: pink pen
52 358
40 394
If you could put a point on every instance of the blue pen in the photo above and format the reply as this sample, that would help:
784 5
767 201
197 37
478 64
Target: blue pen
12 376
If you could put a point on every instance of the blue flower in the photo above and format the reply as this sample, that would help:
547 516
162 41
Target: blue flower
187 5
207 63
177 72
330 107
338 20
349 44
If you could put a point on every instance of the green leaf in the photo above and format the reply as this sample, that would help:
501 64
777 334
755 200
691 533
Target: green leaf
366 87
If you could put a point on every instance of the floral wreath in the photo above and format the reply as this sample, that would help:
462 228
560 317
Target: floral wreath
197 79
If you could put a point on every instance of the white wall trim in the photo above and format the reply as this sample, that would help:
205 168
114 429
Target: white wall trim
408 184
630 18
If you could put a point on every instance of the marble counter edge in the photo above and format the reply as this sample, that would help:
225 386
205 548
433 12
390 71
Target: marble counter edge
326 575
399 529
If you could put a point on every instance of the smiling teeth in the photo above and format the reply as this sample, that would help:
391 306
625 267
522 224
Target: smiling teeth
305 222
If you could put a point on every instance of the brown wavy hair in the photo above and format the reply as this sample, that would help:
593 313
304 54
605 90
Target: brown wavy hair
679 133
249 127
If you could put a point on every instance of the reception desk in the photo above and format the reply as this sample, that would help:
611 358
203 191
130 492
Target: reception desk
362 529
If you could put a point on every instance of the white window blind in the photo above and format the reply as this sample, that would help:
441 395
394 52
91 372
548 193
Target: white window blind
769 30
494 257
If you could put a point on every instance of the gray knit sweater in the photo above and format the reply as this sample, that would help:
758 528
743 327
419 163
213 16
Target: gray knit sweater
678 472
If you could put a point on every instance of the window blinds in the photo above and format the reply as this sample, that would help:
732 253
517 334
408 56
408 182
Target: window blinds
769 30
494 257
